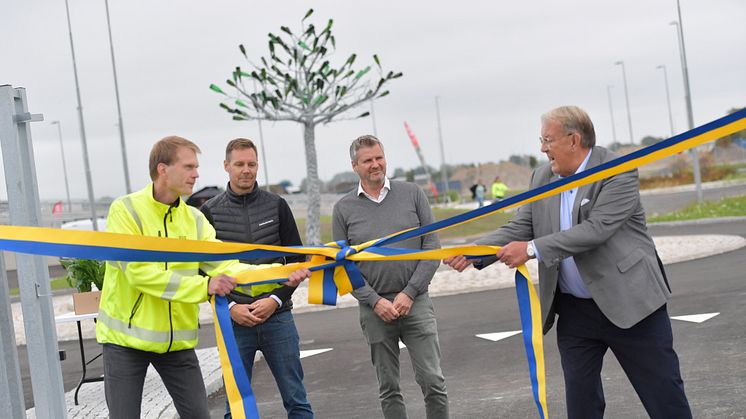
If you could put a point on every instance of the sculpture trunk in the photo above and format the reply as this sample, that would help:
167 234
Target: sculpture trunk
313 189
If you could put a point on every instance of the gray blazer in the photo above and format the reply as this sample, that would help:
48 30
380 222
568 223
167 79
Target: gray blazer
609 241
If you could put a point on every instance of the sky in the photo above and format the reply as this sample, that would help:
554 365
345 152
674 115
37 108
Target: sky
495 66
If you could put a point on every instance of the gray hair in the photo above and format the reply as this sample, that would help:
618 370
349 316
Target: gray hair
363 141
574 119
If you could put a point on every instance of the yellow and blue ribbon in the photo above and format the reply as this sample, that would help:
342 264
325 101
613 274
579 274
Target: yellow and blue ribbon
334 271
529 309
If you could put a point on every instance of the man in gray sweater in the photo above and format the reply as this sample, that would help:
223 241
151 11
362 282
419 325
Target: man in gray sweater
394 303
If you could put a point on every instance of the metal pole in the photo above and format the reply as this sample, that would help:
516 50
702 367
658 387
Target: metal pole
688 99
261 145
64 165
611 112
119 107
11 400
668 98
89 182
443 174
373 118
33 272
626 99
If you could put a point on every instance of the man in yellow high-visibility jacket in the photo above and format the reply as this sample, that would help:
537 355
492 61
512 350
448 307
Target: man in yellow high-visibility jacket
498 189
149 311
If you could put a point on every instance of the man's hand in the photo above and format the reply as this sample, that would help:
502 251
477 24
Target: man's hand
221 285
513 254
403 304
297 277
459 262
241 314
385 310
263 308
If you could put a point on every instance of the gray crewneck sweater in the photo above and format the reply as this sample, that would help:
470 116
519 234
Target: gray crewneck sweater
357 220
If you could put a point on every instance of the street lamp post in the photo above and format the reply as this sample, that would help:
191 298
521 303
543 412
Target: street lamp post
64 165
119 107
688 99
443 174
89 182
668 98
626 99
611 112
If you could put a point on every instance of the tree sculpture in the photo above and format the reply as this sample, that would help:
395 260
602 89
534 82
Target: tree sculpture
299 83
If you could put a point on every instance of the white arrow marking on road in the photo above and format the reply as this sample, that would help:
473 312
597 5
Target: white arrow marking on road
498 336
696 318
312 352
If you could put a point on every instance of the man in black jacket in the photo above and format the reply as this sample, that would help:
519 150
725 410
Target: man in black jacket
261 313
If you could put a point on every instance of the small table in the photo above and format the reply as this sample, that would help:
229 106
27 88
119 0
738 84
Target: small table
72 317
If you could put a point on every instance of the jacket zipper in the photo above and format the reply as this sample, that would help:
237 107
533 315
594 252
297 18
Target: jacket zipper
170 218
134 309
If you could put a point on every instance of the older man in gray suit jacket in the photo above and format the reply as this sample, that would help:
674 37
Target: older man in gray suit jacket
598 271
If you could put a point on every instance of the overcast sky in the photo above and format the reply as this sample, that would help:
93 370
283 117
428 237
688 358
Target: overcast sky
496 66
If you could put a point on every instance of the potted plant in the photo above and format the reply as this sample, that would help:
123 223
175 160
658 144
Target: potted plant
83 275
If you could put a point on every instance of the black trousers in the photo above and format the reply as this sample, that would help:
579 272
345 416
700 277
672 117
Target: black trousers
124 376
645 352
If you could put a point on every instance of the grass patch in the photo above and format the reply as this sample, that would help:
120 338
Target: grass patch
726 207
476 227
709 173
56 284
326 228
472 228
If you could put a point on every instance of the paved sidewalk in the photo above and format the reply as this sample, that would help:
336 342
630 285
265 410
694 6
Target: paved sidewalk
157 402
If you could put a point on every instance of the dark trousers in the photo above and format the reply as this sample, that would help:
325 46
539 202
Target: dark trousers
645 352
124 376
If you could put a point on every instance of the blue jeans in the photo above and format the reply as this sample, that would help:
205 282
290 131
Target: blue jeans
278 340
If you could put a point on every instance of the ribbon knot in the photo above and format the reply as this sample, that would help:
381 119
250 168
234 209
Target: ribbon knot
344 252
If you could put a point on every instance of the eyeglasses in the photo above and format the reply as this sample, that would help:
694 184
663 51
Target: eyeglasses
548 142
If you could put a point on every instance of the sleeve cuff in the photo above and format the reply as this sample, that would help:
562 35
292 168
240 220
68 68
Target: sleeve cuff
410 291
231 304
277 300
536 251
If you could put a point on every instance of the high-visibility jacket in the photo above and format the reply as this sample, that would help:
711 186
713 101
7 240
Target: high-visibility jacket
153 306
499 189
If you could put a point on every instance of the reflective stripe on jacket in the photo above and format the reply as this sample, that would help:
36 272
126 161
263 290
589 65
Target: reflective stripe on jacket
153 306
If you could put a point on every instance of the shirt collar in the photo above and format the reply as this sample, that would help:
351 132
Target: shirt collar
583 164
386 185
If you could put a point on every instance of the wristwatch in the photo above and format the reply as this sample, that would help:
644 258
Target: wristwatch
530 251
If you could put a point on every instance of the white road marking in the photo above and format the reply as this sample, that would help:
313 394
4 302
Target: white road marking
696 318
312 352
498 336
